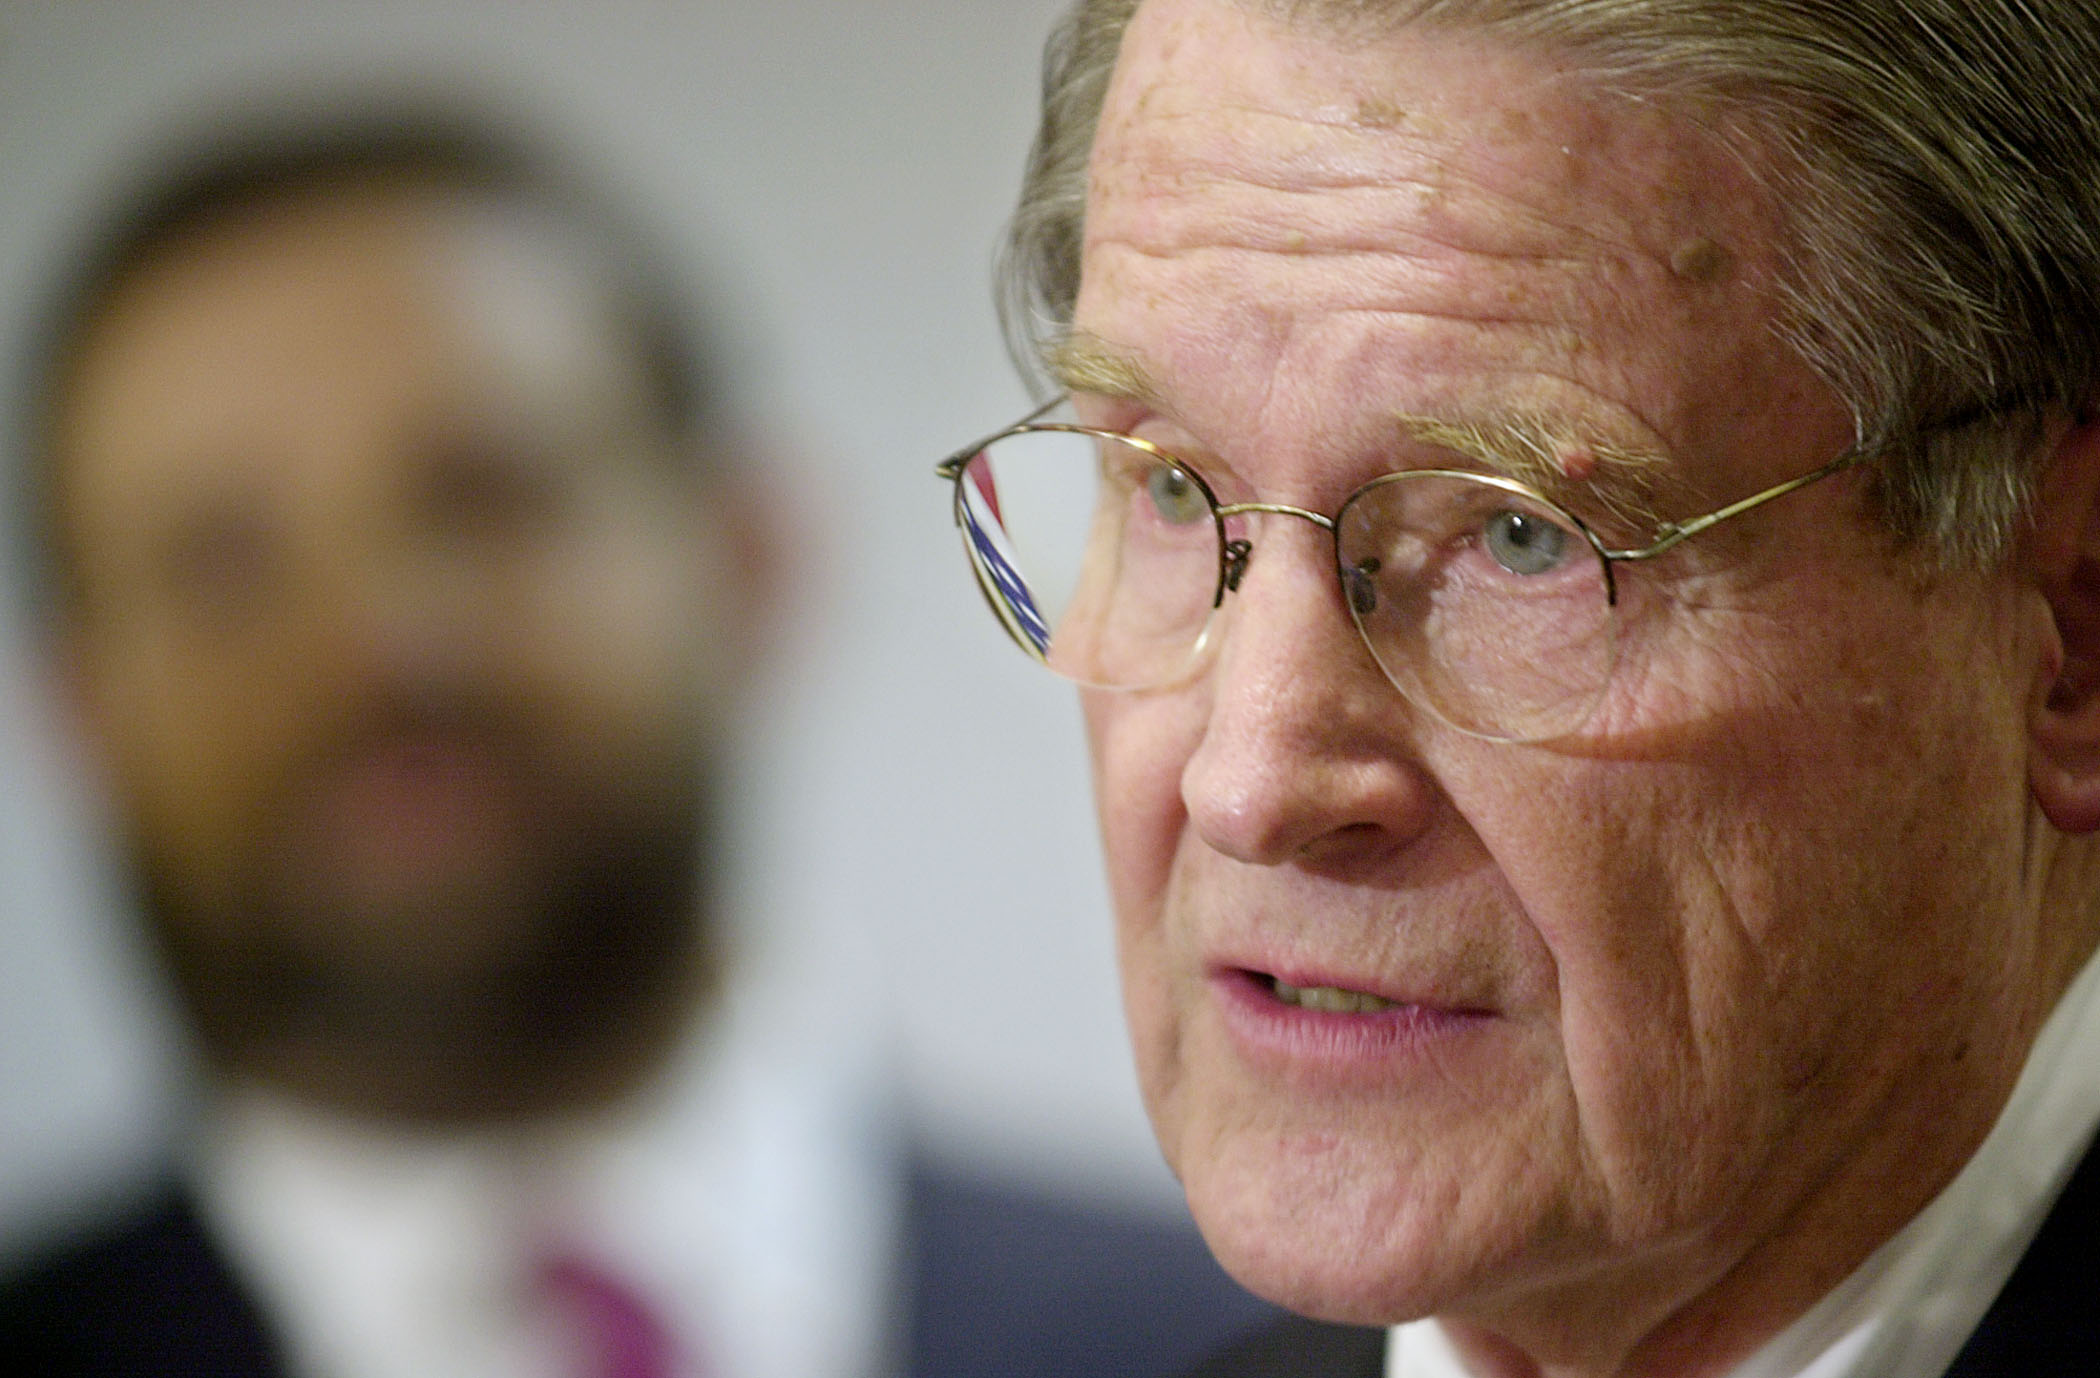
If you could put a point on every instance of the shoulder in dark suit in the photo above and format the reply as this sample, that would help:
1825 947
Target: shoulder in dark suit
2046 1323
1011 1283
146 1296
1299 1348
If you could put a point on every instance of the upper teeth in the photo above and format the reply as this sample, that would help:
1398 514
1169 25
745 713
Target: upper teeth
1331 999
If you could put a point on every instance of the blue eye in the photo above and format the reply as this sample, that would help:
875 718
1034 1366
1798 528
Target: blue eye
1177 498
1525 543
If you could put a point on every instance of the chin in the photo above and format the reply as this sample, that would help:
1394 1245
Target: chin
1308 1226
1319 1274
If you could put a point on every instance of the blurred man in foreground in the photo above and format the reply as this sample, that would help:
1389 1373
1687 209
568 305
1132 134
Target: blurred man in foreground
1583 546
404 573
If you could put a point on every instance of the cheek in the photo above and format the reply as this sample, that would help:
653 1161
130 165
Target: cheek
1137 784
1769 911
617 637
1138 752
195 742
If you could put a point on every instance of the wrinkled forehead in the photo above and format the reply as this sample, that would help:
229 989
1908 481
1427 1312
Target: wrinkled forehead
1203 82
1255 179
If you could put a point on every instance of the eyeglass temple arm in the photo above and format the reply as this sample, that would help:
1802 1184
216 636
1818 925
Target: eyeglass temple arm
952 466
1670 534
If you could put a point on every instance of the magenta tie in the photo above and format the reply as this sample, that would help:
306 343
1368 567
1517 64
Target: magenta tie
620 1337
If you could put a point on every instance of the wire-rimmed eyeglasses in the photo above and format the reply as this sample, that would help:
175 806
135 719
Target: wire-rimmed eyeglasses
1106 558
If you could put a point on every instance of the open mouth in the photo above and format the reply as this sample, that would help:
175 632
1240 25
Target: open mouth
1326 999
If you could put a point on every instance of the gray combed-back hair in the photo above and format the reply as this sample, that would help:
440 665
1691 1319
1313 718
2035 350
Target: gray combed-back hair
1940 160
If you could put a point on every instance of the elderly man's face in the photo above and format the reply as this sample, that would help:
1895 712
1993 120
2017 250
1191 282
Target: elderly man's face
1700 1001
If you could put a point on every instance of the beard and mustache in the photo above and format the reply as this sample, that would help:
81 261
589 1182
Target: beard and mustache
550 976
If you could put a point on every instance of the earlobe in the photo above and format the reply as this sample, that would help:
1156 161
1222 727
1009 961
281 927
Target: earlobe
2064 560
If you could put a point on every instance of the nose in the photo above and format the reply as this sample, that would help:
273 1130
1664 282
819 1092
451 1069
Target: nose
400 612
1307 754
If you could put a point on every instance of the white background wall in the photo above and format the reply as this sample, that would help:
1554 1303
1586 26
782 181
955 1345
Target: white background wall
917 836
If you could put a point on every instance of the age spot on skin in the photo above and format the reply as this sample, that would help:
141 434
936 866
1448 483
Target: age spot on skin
1699 260
1374 112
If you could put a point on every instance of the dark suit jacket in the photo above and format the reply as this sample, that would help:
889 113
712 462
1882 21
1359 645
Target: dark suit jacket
1000 1282
2045 1324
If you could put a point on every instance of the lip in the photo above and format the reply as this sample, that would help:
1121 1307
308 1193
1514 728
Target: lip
408 802
1289 1038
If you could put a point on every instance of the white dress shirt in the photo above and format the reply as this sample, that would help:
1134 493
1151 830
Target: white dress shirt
751 1199
1906 1311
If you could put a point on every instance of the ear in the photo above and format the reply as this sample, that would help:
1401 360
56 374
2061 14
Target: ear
2064 558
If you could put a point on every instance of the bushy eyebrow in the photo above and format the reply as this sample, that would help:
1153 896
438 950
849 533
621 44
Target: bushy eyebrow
1086 363
1566 464
1573 468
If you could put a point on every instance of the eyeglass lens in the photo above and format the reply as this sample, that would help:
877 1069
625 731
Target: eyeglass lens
1485 605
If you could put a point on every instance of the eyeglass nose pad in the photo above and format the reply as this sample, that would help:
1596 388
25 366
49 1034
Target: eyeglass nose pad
1236 554
1362 590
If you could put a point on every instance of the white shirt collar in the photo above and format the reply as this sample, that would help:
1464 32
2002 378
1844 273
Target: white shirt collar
754 1198
1907 1310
